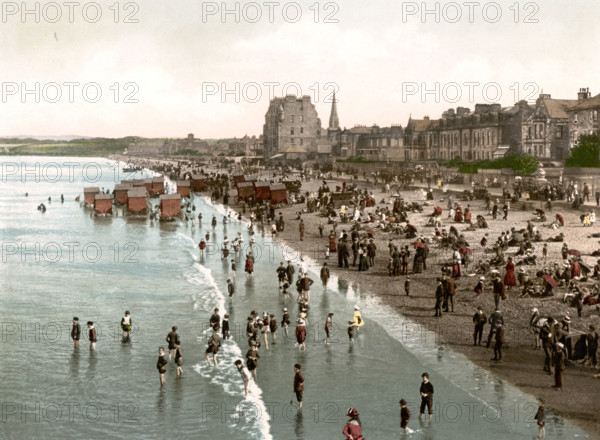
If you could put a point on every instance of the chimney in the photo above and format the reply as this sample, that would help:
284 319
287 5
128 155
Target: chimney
584 93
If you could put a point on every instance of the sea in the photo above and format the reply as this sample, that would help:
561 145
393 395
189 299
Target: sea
67 262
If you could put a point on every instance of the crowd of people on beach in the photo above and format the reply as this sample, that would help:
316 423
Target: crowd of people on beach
526 273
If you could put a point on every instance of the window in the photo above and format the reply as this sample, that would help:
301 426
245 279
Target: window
301 130
575 118
590 116
292 130
595 117
301 118
529 132
541 130
292 141
559 132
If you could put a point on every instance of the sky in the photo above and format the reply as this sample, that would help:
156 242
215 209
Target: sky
165 69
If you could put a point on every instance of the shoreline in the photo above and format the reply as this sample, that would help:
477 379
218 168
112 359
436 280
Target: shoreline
522 366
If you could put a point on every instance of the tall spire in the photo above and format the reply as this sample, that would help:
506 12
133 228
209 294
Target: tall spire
334 121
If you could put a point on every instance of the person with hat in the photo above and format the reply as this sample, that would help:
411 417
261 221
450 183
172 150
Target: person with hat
301 334
76 332
404 415
371 252
559 360
298 383
479 319
547 337
126 326
351 332
358 321
426 391
353 429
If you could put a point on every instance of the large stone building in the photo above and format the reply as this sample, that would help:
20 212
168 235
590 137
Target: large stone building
583 117
290 121
249 146
546 131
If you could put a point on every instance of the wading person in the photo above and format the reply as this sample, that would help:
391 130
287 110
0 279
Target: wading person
541 419
213 346
252 359
426 392
404 415
126 326
161 365
301 335
324 275
178 359
328 327
92 335
172 339
76 332
298 384
244 373
353 429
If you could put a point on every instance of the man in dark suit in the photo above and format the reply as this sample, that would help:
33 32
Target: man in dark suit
342 254
499 342
449 291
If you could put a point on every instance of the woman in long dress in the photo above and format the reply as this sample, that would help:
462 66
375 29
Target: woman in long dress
509 277
332 247
358 321
249 264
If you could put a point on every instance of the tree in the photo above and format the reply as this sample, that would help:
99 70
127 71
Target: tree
586 154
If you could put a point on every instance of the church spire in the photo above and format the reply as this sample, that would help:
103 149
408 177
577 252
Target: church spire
334 121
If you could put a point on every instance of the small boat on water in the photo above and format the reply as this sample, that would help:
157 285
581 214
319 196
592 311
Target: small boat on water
130 168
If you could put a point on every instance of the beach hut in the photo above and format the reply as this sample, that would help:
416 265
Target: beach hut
278 193
137 184
245 191
262 191
238 177
148 185
89 193
120 193
170 206
250 178
158 186
198 183
103 204
183 188
136 201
